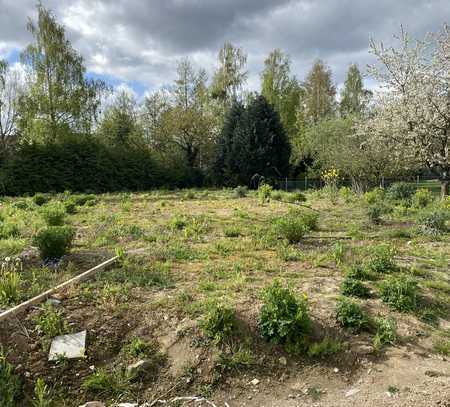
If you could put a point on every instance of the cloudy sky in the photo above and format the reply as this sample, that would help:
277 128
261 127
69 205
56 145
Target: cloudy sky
136 43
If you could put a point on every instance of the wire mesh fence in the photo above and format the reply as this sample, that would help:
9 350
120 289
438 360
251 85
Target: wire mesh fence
305 183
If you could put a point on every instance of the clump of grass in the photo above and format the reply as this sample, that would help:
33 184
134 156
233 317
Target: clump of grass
294 225
386 332
288 253
265 193
355 288
284 317
338 252
219 323
350 315
137 348
400 292
359 272
53 213
10 383
442 346
50 322
10 286
381 259
325 348
232 231
8 228
375 212
54 241
107 384
240 192
178 222
238 358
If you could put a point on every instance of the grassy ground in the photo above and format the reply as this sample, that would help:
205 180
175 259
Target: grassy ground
203 248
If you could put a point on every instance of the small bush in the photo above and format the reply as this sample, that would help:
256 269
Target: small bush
354 288
401 191
277 195
232 231
386 332
382 259
375 196
23 205
294 197
219 324
53 213
433 222
350 315
40 199
400 292
325 348
8 229
107 384
284 318
291 228
10 384
54 241
309 218
240 192
358 272
178 222
422 198
265 192
41 394
374 213
239 358
83 199
70 206
346 194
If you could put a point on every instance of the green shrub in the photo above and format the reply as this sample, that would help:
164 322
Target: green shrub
54 241
232 231
83 199
325 348
386 332
265 192
400 292
40 199
433 222
70 206
291 228
107 384
41 394
8 229
401 191
239 358
375 196
10 384
219 323
284 317
53 213
178 222
240 191
382 259
350 315
22 204
355 288
346 194
309 218
374 213
422 198
359 272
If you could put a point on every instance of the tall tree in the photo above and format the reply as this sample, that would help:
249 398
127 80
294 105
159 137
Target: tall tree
119 125
320 93
10 88
413 112
230 74
186 122
60 99
281 90
354 97
253 141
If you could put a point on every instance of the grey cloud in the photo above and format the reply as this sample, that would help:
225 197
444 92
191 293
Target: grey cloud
142 40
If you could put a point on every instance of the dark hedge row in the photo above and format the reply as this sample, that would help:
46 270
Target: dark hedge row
85 164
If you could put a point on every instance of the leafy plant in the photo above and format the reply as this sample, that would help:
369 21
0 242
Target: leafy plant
265 193
338 253
50 322
400 292
238 358
219 323
232 231
355 288
422 198
289 227
41 394
10 383
53 213
433 222
382 259
54 241
442 346
10 283
107 384
386 332
350 315
284 318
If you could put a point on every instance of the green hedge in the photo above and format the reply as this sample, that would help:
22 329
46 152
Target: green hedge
85 164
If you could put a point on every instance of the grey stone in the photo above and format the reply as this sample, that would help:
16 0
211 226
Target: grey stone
352 392
138 368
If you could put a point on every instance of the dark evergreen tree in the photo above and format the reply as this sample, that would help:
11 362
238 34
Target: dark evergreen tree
253 142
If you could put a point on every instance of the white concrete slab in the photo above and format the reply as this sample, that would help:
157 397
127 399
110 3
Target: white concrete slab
70 346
